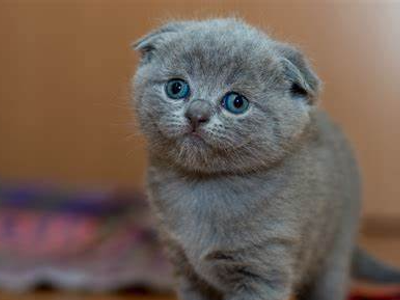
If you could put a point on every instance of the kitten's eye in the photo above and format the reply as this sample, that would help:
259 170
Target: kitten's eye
235 103
177 89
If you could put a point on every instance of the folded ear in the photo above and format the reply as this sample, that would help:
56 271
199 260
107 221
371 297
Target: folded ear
305 83
147 44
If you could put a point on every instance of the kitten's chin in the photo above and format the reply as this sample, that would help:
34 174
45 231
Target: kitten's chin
193 147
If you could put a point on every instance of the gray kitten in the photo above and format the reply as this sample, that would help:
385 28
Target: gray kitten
256 190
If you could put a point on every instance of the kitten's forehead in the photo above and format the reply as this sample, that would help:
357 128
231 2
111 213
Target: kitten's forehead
221 48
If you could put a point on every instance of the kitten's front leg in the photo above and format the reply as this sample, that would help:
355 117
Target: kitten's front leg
192 288
274 286
263 274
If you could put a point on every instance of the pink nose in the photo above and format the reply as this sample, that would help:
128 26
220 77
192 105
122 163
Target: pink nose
198 112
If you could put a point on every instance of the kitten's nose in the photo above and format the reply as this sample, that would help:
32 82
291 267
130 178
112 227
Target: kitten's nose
198 112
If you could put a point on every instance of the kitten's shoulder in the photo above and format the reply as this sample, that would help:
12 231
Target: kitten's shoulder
329 135
325 125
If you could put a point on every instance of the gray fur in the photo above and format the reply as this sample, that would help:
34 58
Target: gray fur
265 204
368 268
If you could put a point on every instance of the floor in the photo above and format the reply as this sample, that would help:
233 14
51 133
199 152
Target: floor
385 247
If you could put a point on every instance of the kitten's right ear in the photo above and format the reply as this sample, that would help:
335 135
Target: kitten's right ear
305 82
149 43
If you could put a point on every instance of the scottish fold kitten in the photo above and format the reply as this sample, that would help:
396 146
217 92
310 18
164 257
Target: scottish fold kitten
256 190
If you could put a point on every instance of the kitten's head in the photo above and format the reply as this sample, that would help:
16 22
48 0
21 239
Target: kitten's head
221 96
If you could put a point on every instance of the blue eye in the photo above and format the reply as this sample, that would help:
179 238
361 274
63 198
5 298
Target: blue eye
177 89
235 103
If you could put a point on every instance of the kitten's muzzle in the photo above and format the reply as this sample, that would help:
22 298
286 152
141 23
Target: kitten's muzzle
198 113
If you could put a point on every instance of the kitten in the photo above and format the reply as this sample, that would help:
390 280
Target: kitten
256 190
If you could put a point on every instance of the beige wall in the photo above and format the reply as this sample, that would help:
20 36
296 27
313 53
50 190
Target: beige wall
65 68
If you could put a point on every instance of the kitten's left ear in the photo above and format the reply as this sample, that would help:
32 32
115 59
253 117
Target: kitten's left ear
149 43
305 82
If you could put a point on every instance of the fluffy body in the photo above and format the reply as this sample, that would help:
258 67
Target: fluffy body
255 206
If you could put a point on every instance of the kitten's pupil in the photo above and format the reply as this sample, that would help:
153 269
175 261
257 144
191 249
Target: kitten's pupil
238 102
176 87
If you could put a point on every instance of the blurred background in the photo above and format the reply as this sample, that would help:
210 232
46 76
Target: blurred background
65 68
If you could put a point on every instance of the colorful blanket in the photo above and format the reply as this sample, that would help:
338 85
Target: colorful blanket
88 240
376 297
394 296
376 293
96 240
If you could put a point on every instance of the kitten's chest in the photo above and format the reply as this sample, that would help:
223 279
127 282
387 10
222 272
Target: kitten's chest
211 213
193 211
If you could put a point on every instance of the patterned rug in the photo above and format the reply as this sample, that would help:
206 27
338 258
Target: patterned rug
97 240
376 293
395 296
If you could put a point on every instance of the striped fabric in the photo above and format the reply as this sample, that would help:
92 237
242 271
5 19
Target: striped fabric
376 292
395 296
91 240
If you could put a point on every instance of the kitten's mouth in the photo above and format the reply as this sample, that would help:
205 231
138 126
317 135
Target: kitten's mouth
195 137
195 134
